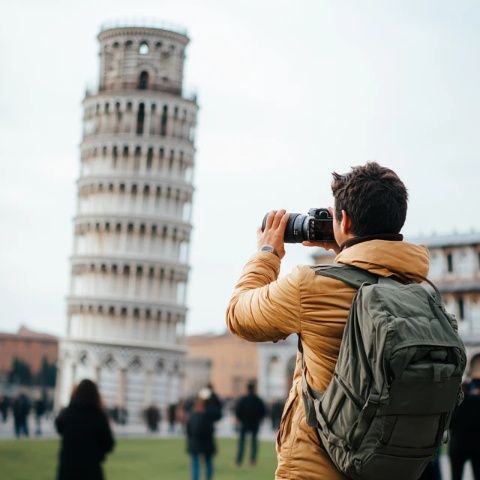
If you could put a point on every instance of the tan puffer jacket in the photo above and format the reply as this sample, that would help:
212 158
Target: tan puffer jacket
263 308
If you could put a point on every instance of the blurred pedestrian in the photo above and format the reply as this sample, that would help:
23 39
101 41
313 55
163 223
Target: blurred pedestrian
432 471
276 410
86 435
181 416
21 409
39 406
153 417
200 439
4 406
213 404
465 427
172 414
249 412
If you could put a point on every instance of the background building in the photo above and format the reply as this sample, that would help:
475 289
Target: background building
129 268
455 270
34 350
276 367
232 361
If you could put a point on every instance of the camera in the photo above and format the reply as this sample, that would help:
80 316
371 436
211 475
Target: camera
316 226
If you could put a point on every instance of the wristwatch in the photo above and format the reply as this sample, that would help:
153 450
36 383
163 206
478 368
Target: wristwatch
269 248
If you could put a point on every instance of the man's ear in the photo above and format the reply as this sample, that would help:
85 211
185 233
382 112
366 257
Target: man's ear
346 223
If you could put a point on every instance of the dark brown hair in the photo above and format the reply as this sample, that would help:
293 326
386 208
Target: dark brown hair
86 393
374 198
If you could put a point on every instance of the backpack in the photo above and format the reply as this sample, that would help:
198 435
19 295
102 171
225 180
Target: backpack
396 382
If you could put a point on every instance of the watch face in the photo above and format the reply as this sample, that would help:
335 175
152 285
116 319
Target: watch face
267 248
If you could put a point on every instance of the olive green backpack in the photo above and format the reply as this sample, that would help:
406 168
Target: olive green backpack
396 383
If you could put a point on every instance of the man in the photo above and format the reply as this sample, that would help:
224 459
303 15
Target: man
465 427
40 407
172 417
370 206
153 417
4 406
21 410
213 404
249 413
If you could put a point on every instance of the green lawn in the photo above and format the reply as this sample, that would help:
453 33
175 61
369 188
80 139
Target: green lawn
136 459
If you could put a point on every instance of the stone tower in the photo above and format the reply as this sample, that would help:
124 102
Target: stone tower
129 268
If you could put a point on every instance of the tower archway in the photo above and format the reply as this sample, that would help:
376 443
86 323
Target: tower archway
143 80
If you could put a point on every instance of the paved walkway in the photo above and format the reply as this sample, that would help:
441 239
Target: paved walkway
224 429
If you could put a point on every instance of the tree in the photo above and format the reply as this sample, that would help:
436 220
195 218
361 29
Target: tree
20 373
47 375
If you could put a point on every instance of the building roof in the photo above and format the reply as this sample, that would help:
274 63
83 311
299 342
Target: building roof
450 240
430 241
461 286
24 333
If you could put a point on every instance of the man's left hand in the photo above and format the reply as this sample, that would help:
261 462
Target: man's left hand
274 231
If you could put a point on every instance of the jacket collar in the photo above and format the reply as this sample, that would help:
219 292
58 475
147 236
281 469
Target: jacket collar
393 237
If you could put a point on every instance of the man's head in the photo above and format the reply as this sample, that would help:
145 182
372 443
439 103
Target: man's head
369 200
251 386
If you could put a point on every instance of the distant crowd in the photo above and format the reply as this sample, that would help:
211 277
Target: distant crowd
87 436
21 406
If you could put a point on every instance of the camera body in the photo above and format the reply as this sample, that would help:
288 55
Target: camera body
316 226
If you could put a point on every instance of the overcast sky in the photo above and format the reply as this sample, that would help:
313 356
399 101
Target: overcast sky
289 91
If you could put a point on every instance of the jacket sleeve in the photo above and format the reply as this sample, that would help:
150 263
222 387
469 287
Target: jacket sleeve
108 442
263 308
60 422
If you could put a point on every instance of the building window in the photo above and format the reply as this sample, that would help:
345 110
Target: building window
149 158
461 308
140 118
163 122
450 263
143 81
143 49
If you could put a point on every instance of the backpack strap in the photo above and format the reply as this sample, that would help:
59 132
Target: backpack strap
355 277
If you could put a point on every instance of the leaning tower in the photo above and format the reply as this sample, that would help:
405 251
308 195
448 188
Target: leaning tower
129 268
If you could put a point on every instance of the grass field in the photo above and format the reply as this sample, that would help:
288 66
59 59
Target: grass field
135 459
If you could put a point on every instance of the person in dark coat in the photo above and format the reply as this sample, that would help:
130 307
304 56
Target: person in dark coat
21 409
4 406
200 439
213 404
432 470
86 435
276 414
249 412
465 427
172 417
153 418
40 406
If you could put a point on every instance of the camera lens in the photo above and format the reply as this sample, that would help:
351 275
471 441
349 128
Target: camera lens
296 230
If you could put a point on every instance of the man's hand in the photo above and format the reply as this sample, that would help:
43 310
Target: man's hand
274 231
326 245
